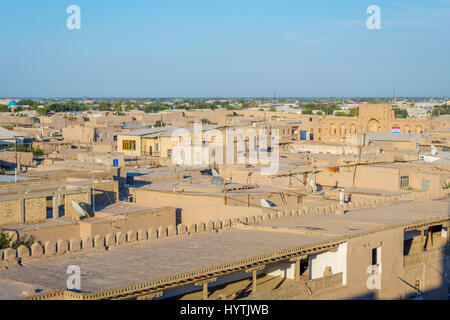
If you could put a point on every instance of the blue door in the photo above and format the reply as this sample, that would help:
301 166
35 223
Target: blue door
302 134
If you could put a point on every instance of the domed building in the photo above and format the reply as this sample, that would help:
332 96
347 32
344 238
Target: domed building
12 104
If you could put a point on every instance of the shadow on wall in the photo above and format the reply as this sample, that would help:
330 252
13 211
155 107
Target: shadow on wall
417 289
104 198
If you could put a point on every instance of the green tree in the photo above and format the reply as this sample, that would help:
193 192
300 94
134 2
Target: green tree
28 102
5 240
354 112
104 106
401 113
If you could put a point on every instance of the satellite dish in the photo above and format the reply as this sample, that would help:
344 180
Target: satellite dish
292 150
38 138
78 209
215 173
217 180
267 204
433 150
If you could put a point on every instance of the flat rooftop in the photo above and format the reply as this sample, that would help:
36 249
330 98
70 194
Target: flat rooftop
153 260
204 188
121 267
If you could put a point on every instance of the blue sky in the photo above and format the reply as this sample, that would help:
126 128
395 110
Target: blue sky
161 48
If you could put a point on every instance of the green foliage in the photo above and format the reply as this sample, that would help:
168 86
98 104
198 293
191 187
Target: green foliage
206 121
446 186
354 112
156 107
104 106
25 148
4 108
5 240
327 109
70 118
28 102
440 110
38 152
272 109
26 243
401 113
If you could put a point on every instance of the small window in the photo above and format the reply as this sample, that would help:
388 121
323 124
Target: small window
129 145
376 256
404 182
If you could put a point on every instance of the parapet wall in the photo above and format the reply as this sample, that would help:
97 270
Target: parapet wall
76 245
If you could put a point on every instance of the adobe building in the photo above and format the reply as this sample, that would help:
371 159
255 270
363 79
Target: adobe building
392 249
374 118
35 200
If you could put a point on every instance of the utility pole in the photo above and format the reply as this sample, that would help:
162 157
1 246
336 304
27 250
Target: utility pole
93 186
93 179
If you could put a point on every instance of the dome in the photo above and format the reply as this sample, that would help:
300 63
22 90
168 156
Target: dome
12 103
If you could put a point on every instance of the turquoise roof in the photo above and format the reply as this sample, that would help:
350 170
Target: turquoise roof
12 103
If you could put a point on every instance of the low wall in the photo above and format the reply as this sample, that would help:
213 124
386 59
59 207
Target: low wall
61 246
300 289
426 257
193 215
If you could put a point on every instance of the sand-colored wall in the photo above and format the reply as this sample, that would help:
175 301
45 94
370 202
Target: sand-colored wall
177 200
133 153
10 212
68 207
374 177
194 215
106 193
136 221
51 233
35 209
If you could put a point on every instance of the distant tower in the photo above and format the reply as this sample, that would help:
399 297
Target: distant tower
395 98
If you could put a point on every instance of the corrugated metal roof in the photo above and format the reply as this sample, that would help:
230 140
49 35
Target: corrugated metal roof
440 130
6 134
5 179
141 132
402 137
